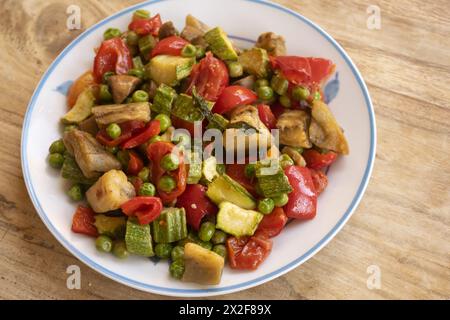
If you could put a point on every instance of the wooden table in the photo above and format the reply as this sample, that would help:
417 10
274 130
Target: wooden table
402 225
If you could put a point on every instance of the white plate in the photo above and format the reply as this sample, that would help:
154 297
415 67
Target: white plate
244 20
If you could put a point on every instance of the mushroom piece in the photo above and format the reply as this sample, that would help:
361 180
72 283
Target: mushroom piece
89 125
293 125
110 191
247 82
202 266
324 130
113 113
89 154
295 155
193 29
167 30
246 131
122 86
274 44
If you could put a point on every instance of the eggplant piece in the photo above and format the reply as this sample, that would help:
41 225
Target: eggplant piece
293 126
324 130
201 265
113 113
122 86
274 44
89 154
110 191
89 125
166 30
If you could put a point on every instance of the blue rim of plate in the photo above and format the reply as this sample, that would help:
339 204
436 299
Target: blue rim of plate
222 290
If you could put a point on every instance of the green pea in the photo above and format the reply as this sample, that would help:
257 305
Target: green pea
265 206
103 243
189 51
147 189
177 269
279 85
317 95
265 93
164 121
285 101
163 250
132 38
286 161
70 127
261 83
139 73
235 69
220 249
112 150
281 201
144 174
177 253
111 33
199 52
141 14
155 139
104 94
206 232
250 170
120 250
123 157
107 75
56 160
219 237
76 192
167 183
170 162
140 96
146 43
113 130
300 93
57 147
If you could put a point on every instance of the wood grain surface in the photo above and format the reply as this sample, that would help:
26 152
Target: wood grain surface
402 224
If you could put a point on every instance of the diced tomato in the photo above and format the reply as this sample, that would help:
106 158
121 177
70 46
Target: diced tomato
302 202
320 180
272 223
309 71
152 129
85 81
135 164
171 46
236 172
295 69
317 160
196 204
321 69
155 152
137 183
248 253
232 97
277 109
113 55
209 77
266 116
146 26
146 209
83 221
128 129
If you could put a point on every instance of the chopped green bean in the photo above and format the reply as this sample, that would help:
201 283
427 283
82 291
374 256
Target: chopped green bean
111 33
220 249
177 269
103 243
177 253
163 250
265 206
113 130
279 84
140 96
235 69
164 121
189 51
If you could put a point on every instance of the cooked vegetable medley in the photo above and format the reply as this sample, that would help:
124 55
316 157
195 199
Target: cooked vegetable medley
153 190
